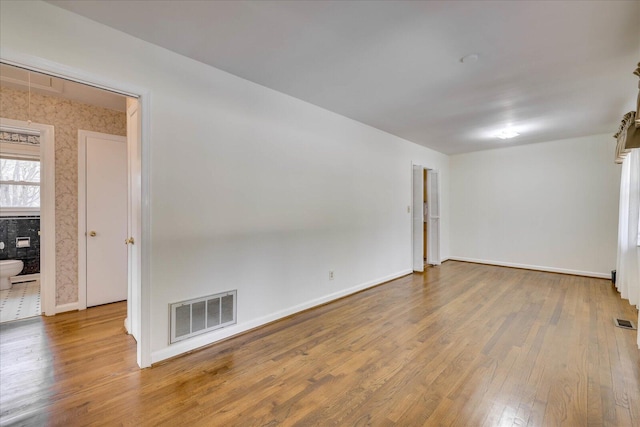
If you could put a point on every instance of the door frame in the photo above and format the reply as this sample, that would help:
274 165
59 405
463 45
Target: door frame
82 210
47 209
65 71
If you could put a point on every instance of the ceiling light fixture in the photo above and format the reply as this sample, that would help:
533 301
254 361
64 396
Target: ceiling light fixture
472 57
507 134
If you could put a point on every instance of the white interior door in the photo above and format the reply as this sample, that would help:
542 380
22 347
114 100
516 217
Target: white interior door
106 218
418 218
433 220
134 217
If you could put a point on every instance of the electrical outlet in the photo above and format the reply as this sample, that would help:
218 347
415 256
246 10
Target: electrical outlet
330 274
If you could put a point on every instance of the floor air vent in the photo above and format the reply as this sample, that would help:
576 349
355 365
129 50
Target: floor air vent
625 324
200 315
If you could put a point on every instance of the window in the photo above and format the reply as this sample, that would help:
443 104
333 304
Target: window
19 185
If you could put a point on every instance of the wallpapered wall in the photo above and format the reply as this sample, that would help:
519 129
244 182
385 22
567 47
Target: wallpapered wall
67 117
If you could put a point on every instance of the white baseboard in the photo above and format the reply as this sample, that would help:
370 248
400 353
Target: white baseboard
72 306
534 267
215 336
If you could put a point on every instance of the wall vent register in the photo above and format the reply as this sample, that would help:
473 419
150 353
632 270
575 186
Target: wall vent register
200 315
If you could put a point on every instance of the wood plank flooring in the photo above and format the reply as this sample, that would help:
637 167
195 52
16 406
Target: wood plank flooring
460 345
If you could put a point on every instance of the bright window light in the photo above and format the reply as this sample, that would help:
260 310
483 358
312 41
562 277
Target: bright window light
19 183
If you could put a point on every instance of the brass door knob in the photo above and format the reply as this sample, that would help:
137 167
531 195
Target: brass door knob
92 233
129 241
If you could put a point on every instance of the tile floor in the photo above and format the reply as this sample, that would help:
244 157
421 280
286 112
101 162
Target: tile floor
20 302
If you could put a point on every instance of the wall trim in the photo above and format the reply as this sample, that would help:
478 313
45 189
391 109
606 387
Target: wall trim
231 331
534 267
72 306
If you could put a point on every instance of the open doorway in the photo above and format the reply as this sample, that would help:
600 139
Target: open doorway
139 299
27 221
20 213
34 103
426 217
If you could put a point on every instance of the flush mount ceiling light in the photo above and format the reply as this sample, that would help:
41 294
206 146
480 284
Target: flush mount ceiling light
472 57
507 134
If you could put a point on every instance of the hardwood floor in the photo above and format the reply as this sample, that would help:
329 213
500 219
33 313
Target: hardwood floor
462 344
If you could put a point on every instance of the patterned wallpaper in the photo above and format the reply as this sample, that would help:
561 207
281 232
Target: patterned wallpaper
67 117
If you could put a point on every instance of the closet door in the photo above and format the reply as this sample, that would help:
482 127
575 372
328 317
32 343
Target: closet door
418 218
105 197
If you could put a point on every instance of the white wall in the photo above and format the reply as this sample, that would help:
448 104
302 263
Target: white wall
250 189
551 206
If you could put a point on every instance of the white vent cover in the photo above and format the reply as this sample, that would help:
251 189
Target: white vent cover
200 315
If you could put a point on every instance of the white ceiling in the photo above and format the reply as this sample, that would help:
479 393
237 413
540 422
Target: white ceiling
550 70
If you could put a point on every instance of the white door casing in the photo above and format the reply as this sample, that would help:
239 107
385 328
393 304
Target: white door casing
433 220
102 218
418 218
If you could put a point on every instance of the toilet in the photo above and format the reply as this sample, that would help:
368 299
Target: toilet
8 268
